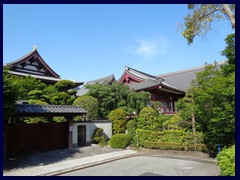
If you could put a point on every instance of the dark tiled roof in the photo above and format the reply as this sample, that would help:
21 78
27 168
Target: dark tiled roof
107 80
29 56
141 75
144 85
48 109
154 84
182 79
43 78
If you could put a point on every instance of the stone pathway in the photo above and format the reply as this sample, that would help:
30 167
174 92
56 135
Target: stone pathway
50 157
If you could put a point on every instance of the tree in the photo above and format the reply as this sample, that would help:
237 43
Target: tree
198 22
90 104
214 97
229 53
115 96
187 111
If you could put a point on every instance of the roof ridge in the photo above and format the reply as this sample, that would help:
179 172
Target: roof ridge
143 73
112 75
189 69
24 56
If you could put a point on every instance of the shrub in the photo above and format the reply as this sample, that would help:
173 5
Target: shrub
171 136
118 117
120 141
131 130
148 119
98 136
163 145
226 161
90 104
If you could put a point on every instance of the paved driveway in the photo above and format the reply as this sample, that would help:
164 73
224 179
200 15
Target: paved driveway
149 165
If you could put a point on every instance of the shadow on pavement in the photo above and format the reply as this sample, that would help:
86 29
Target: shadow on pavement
40 158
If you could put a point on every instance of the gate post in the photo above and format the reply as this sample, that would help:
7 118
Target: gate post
70 132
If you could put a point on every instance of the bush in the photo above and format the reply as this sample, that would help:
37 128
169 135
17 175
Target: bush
226 161
170 136
90 104
118 117
173 146
131 130
148 119
120 141
98 136
163 145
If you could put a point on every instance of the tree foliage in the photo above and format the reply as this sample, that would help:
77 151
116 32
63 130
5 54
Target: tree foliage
115 96
229 53
119 120
148 119
201 17
214 103
33 90
9 95
90 104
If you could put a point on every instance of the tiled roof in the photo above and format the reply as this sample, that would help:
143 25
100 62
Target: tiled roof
29 56
48 109
153 84
42 77
182 79
140 74
107 80
144 85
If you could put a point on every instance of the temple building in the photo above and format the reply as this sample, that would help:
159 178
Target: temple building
159 89
165 88
33 64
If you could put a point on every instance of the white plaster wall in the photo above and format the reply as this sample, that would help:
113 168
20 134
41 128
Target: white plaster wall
90 127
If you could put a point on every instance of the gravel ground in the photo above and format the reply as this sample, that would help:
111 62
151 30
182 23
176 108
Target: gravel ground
49 157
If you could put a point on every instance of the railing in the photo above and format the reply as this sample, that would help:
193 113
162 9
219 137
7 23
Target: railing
167 110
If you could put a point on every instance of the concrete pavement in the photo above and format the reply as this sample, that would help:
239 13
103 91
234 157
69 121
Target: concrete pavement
71 165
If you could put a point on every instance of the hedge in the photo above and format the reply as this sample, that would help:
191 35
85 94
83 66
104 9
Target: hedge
226 161
172 139
120 141
174 146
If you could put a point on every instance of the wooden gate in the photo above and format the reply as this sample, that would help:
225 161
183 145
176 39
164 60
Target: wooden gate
82 135
34 137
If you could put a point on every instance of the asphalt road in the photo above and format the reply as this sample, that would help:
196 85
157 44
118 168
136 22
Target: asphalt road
149 165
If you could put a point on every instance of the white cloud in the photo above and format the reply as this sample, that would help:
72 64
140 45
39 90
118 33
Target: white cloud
151 48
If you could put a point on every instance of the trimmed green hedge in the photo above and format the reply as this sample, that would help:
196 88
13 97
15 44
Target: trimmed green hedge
226 161
120 141
169 139
174 146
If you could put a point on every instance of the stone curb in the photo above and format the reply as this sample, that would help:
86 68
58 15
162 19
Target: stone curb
55 173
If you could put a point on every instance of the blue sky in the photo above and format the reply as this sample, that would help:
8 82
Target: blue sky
86 42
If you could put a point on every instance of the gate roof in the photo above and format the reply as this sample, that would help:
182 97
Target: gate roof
33 110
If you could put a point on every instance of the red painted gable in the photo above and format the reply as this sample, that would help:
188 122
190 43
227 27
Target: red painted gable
128 78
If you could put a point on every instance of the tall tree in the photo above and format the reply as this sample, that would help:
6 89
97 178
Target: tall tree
198 22
188 111
229 53
214 97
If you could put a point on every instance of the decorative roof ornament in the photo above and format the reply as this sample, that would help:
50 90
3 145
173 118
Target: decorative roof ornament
34 47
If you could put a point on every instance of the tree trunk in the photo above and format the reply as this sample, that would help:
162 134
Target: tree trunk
227 10
194 131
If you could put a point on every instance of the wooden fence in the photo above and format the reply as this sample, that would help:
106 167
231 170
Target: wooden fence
24 138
